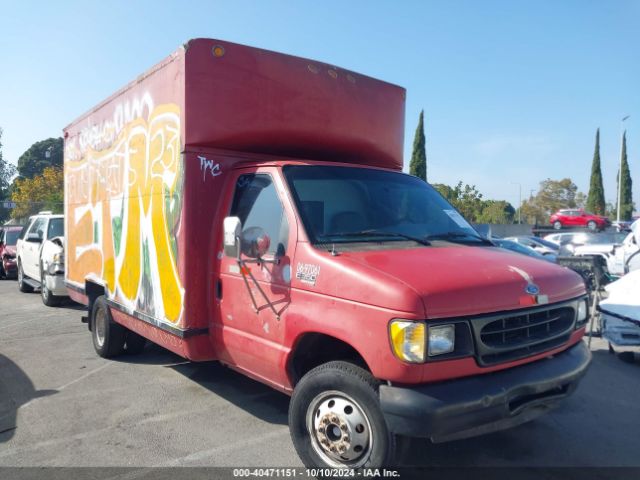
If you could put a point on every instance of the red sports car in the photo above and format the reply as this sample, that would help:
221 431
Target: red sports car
578 218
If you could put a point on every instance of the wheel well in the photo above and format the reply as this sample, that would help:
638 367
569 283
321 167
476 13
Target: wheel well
314 349
92 290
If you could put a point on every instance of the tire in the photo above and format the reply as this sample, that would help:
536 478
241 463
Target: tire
346 397
626 357
591 225
557 225
2 272
48 298
108 336
23 287
134 343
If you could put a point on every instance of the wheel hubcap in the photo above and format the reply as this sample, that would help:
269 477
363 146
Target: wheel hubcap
101 327
340 430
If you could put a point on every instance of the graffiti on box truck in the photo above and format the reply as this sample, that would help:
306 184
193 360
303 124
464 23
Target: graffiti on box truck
124 189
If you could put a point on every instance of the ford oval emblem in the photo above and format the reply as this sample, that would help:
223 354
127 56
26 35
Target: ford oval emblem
532 289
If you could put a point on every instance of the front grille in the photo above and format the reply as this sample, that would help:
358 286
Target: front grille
521 334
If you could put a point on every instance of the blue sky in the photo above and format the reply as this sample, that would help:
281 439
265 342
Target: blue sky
513 91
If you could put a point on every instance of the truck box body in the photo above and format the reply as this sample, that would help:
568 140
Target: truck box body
141 189
246 206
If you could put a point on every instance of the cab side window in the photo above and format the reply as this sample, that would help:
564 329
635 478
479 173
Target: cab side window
256 203
38 228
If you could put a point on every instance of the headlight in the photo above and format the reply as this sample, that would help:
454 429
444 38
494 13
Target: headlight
408 340
441 339
583 311
58 258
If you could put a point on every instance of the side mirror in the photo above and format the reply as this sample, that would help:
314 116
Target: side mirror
34 237
232 232
255 242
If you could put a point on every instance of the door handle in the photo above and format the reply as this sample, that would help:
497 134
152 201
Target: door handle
219 289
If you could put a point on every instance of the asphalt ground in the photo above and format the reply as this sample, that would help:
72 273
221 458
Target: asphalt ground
62 405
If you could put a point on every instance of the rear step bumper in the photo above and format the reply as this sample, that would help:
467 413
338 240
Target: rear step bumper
486 403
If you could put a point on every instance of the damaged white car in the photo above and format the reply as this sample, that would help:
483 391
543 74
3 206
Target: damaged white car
52 288
620 316
621 258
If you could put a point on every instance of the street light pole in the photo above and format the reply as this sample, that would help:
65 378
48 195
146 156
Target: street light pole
620 169
519 202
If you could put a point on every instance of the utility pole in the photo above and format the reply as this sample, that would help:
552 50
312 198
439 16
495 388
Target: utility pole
519 201
620 169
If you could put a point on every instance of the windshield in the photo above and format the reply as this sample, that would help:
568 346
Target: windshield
56 228
348 204
12 236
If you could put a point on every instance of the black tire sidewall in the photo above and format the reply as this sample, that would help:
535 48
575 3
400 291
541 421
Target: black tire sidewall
23 287
50 300
113 335
322 380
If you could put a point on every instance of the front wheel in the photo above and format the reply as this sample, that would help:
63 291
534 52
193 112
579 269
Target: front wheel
22 286
48 298
591 225
335 419
557 225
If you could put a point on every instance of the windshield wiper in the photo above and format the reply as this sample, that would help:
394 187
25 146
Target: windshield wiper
370 232
458 236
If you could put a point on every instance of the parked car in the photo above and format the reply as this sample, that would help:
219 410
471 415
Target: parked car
621 316
35 271
564 238
538 244
617 249
622 225
8 240
522 249
578 218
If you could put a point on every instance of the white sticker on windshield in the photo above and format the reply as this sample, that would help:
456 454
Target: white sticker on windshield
456 217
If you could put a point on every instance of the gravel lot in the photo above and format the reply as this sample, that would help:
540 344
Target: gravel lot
62 405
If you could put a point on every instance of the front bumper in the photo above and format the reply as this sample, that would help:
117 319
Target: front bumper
621 332
55 284
9 267
485 403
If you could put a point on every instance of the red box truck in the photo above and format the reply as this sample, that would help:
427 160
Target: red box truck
246 206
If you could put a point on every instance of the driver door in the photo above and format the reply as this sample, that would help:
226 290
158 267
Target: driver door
253 311
30 257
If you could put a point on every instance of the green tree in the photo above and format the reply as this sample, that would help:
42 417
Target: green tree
418 164
626 198
467 199
7 171
552 196
40 155
595 200
496 212
42 192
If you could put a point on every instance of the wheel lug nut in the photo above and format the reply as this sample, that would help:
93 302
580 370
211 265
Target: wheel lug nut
343 427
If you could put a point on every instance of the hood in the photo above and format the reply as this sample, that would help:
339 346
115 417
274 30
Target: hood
462 280
10 249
